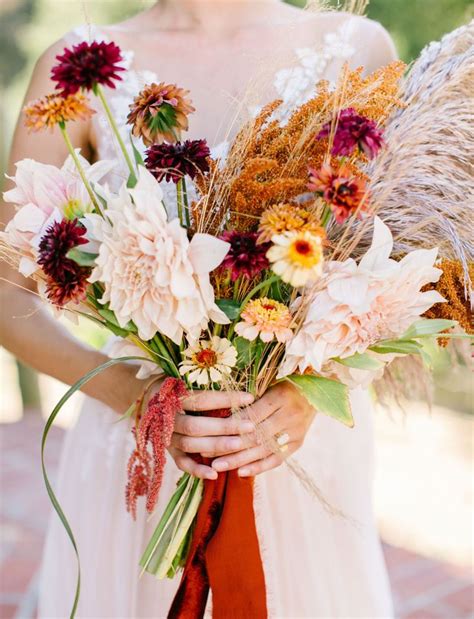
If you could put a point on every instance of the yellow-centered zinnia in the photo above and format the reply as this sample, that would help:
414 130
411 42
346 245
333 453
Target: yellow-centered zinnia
266 318
297 257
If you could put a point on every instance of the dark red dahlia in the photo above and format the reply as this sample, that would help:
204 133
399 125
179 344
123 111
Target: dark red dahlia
86 65
66 280
245 258
173 161
352 131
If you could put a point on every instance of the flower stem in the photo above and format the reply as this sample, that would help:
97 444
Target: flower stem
100 93
266 283
179 200
163 350
80 169
186 204
326 216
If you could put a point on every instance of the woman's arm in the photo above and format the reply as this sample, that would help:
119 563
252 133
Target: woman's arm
26 327
29 331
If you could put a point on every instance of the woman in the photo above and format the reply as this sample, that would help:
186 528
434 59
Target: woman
316 565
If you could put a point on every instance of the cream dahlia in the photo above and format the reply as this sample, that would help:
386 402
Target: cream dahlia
297 257
362 304
44 195
151 272
265 318
208 361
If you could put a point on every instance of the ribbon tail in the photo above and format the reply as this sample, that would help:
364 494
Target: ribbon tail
191 598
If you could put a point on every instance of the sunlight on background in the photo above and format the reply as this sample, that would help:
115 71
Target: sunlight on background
424 477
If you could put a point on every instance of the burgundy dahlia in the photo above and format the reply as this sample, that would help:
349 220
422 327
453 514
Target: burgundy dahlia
173 161
244 258
66 280
352 131
86 65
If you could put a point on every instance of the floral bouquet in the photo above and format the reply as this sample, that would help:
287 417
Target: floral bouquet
256 269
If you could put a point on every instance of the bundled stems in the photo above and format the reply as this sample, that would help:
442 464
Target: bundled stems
80 169
98 91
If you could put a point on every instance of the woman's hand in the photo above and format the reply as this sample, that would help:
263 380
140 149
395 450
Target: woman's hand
207 435
282 410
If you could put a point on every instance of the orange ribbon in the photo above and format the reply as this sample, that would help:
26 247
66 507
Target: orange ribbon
224 555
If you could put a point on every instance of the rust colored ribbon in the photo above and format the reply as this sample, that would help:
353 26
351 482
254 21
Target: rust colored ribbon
224 554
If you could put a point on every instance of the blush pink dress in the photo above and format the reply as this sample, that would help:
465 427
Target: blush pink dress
316 565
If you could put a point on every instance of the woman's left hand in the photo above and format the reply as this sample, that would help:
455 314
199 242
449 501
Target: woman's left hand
281 412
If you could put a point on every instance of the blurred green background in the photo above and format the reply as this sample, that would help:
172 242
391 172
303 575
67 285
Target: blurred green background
28 27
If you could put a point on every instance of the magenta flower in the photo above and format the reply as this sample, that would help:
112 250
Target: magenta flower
86 65
245 257
173 161
353 131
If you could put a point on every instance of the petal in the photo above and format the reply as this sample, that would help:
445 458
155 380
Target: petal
381 248
206 253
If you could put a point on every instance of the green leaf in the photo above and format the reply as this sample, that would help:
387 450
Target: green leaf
230 308
402 347
327 396
82 258
429 351
361 362
426 327
247 351
99 197
136 153
132 180
52 496
113 323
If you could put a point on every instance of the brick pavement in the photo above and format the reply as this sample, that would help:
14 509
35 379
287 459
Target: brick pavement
423 588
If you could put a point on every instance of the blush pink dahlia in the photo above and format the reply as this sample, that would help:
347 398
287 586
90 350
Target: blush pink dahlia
361 304
353 131
174 161
245 257
152 273
86 65
44 194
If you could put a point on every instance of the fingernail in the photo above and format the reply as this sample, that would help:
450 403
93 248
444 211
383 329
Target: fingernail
211 475
220 465
244 472
247 398
247 426
235 443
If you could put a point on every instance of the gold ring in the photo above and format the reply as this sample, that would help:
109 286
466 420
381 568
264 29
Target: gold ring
282 439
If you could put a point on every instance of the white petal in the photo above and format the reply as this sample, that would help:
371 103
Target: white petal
206 252
381 248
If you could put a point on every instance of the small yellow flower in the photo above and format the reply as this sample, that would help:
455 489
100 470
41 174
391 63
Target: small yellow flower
52 109
266 318
283 217
297 257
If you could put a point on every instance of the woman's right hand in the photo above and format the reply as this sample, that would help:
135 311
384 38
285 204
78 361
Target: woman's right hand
208 435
